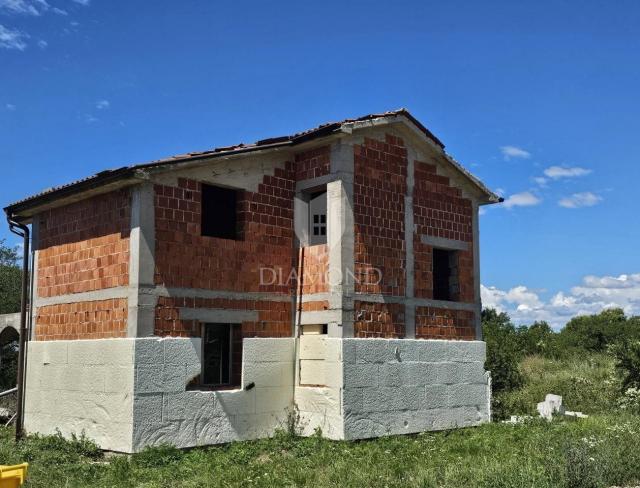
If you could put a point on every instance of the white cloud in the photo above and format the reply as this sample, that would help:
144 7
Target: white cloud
10 106
540 181
24 7
557 172
102 104
514 152
596 293
83 2
59 11
578 200
524 199
42 43
12 39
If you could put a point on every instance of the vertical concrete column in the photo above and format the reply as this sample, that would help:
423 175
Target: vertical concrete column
33 304
409 305
475 227
141 300
340 239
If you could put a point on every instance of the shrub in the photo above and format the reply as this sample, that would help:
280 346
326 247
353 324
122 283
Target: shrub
627 355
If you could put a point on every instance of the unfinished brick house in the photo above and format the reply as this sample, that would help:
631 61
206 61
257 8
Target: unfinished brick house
202 298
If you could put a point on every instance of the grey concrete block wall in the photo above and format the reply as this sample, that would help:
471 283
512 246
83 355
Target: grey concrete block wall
407 386
166 412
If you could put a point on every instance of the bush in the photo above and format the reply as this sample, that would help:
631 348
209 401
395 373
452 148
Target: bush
627 357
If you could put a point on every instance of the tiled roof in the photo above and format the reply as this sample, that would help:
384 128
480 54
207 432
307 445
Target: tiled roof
112 175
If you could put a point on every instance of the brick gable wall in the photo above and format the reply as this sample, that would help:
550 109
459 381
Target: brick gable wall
84 246
380 172
440 211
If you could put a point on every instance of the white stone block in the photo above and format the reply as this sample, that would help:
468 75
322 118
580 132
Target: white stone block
448 373
52 352
333 349
312 347
237 402
269 349
436 351
267 374
325 401
333 374
149 350
275 399
312 372
119 379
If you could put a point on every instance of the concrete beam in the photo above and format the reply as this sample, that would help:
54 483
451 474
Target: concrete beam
443 243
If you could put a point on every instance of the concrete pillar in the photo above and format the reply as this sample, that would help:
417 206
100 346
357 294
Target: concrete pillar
476 267
35 236
409 308
340 239
141 300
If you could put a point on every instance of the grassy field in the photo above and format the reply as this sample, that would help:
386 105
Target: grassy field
587 384
599 451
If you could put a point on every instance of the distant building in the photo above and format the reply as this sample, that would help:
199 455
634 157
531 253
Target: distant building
202 298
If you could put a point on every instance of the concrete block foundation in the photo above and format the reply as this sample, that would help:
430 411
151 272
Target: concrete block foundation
127 394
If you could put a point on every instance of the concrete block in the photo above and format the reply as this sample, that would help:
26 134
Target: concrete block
267 374
352 400
473 372
468 351
409 350
385 399
149 351
333 350
51 352
174 378
348 350
467 394
270 350
436 396
183 351
147 407
312 372
374 351
190 405
393 374
447 373
102 351
312 347
360 375
333 374
325 401
276 399
435 351
149 378
119 379
236 402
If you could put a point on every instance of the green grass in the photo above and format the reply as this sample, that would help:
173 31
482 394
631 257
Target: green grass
587 384
599 451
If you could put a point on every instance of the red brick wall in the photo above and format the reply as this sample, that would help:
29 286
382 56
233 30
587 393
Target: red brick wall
84 246
382 320
440 323
440 211
313 163
86 320
313 267
186 259
380 170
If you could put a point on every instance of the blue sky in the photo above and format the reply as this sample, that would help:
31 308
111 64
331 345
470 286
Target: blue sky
518 91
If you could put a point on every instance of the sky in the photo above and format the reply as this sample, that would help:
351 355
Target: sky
539 99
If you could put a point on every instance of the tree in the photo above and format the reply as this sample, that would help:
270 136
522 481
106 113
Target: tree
595 332
10 279
503 352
